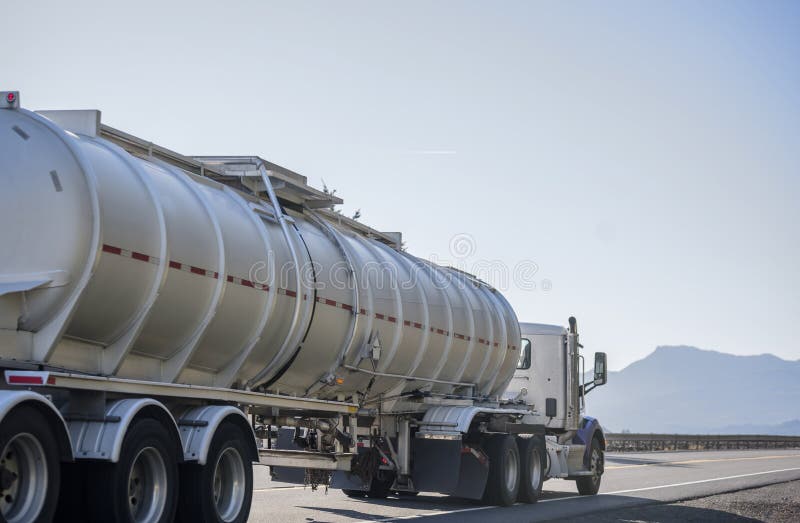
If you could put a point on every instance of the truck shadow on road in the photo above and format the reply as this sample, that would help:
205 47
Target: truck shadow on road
601 509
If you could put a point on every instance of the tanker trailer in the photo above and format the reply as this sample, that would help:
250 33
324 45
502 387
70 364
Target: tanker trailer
156 308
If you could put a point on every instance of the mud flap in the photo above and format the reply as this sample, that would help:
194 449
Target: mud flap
449 467
436 463
473 474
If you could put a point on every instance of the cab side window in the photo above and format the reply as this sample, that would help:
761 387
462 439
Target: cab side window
524 361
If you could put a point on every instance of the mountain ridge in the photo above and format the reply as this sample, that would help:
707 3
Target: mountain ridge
685 389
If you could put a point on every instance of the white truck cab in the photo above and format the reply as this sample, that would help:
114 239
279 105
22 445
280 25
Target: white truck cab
549 375
549 382
541 370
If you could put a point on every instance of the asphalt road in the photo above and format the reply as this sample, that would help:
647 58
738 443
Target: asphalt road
630 480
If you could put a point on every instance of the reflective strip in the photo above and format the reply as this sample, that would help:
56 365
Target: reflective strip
134 255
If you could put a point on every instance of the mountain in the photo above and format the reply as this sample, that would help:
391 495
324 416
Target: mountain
680 389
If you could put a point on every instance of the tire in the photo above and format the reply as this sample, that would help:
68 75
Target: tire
590 485
72 496
380 488
531 476
220 491
502 486
143 485
30 476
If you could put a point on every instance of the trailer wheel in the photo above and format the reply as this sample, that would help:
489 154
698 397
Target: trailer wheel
381 486
30 472
502 485
222 489
142 486
532 471
589 485
72 505
354 493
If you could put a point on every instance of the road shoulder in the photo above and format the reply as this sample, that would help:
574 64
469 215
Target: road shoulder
778 503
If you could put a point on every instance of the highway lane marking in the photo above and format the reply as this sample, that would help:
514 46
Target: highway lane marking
270 489
690 461
628 491
697 482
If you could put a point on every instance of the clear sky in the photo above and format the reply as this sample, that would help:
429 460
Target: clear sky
645 156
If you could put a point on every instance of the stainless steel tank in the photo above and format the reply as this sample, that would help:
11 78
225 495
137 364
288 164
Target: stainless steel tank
129 266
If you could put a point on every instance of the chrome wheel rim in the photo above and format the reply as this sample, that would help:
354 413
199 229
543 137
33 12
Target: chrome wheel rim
596 463
229 484
147 486
25 477
512 471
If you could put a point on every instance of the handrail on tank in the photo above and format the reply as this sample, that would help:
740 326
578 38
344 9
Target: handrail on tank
280 216
409 378
262 169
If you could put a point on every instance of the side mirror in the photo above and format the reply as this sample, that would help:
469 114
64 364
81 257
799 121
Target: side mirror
600 369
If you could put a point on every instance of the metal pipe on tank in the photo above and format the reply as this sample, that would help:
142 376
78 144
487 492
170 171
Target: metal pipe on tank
295 259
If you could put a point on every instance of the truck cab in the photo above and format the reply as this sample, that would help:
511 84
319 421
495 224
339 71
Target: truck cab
551 382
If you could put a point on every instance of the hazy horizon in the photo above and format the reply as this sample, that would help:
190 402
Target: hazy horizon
638 164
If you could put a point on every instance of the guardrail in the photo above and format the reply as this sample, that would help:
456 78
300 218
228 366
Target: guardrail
655 442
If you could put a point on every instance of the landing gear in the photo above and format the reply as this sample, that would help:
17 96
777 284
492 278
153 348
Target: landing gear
29 467
503 483
590 485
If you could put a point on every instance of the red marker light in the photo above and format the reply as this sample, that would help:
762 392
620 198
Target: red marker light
10 97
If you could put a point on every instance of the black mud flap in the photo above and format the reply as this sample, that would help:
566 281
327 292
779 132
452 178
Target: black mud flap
473 473
436 464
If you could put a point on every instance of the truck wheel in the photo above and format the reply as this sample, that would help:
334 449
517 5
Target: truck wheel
532 471
142 486
589 485
354 493
380 487
502 485
30 472
222 489
72 495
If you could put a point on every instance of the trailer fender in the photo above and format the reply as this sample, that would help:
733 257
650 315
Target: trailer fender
101 437
10 399
449 421
589 429
198 426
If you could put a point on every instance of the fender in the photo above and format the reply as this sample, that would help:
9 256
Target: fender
101 438
450 422
9 399
199 425
589 429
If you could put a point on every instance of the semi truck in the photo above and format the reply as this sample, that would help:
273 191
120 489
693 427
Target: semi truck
168 321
